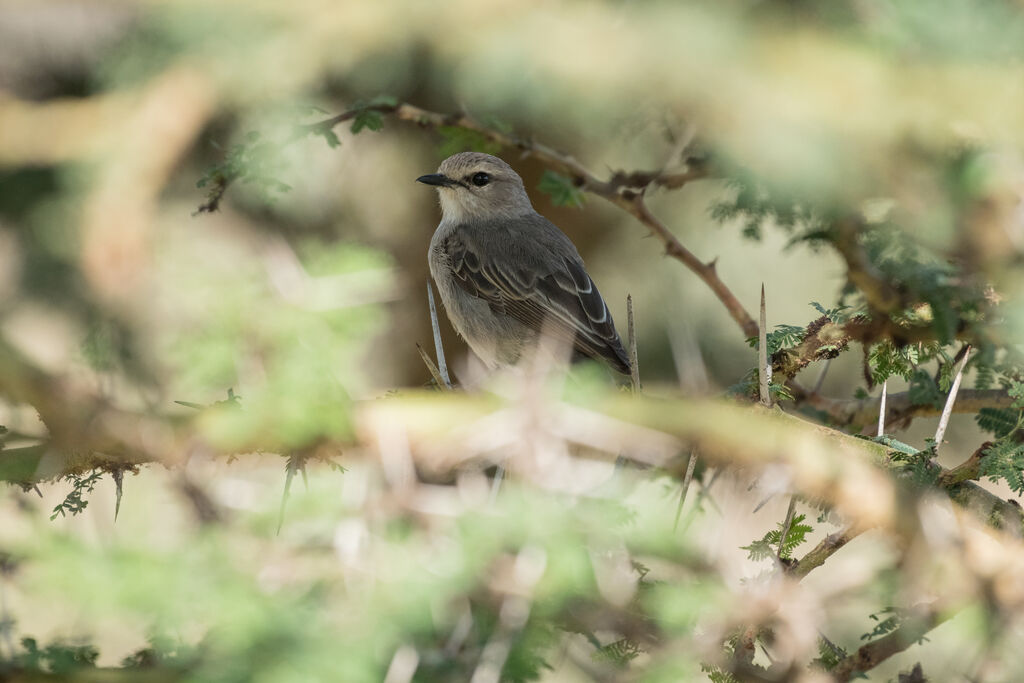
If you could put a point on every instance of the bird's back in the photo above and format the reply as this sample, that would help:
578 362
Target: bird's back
504 280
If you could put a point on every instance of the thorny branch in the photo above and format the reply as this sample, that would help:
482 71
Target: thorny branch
624 189
899 408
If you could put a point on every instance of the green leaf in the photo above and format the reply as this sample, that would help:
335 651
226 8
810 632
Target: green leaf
999 421
74 503
1016 390
884 626
923 391
620 653
782 337
562 190
839 314
367 118
1004 461
768 544
457 139
331 137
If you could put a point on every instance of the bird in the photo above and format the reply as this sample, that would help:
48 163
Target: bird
505 272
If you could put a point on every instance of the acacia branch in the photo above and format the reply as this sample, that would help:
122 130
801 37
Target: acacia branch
623 189
874 653
816 557
881 295
899 409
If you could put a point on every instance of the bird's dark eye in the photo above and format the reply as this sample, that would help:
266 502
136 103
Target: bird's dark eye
480 179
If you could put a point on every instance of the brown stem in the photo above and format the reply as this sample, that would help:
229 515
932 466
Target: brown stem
821 552
899 410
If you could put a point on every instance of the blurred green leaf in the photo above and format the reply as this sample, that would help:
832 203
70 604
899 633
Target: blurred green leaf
561 190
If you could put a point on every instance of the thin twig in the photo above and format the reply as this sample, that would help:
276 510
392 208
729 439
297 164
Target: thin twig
704 493
687 478
821 552
625 190
881 408
634 364
763 369
947 410
442 365
434 372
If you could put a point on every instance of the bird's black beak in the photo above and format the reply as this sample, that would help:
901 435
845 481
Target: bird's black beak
438 179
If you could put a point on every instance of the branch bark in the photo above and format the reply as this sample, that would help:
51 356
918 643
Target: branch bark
899 410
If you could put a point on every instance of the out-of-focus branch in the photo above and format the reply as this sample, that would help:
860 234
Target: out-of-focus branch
821 462
821 552
881 295
86 432
624 189
874 653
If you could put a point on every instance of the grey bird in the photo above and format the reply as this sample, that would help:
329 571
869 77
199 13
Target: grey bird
505 272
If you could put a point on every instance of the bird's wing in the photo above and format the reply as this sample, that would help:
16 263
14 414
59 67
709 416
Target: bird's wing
537 277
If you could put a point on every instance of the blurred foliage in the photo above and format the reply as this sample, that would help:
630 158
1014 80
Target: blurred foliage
884 133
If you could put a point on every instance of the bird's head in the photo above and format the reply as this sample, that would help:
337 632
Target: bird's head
477 186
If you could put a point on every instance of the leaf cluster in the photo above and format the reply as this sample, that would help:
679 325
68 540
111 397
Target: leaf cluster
768 545
561 190
75 502
255 161
56 658
1004 461
754 205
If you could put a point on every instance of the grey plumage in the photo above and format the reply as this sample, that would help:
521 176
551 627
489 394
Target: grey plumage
505 272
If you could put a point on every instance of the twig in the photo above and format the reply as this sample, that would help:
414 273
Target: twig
881 409
967 470
704 493
785 528
634 364
432 369
625 190
899 408
687 478
821 552
763 369
442 365
947 410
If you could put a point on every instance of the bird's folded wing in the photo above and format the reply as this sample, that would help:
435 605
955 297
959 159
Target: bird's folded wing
543 291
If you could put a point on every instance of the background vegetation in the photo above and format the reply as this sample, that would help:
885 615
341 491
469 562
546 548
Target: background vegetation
226 460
